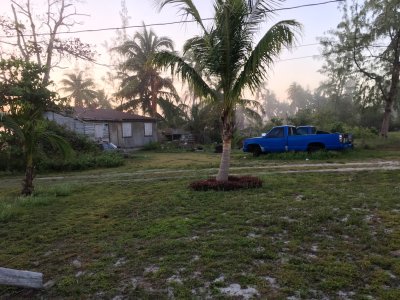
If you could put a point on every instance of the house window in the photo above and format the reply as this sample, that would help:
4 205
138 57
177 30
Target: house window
126 129
148 129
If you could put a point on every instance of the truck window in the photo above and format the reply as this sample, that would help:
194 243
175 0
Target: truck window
302 131
276 133
292 131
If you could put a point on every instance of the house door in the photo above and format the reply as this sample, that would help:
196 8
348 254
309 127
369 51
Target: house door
99 131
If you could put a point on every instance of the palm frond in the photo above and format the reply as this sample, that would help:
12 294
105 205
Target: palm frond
9 123
252 114
187 8
259 11
280 35
188 73
131 105
251 103
57 142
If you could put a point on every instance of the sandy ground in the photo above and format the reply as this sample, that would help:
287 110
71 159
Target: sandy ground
172 174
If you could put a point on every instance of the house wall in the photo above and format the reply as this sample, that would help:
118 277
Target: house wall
137 139
68 122
90 131
78 126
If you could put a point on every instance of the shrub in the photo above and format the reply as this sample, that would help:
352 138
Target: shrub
233 183
152 146
109 160
48 158
83 162
78 142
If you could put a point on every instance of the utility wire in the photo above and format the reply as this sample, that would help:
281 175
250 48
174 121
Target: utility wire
280 60
168 23
301 57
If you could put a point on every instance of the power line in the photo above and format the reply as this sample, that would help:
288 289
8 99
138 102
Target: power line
168 23
308 5
280 60
301 57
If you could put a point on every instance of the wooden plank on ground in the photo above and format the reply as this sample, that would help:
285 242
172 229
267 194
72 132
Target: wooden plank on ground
19 278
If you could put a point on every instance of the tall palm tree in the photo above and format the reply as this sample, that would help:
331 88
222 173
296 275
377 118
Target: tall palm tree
102 100
142 85
227 52
80 89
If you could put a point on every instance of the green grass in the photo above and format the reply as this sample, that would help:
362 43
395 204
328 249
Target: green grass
303 235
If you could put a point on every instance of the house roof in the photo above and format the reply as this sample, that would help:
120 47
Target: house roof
91 114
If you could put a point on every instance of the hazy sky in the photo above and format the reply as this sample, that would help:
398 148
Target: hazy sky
316 21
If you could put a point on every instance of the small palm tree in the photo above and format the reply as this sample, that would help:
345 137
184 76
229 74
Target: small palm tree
32 134
80 89
142 85
226 52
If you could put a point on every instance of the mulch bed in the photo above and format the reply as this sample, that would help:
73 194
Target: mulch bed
233 183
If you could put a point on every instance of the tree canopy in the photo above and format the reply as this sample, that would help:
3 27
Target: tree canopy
364 51
142 84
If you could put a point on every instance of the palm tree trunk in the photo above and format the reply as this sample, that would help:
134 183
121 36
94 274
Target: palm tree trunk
27 185
225 160
153 98
227 134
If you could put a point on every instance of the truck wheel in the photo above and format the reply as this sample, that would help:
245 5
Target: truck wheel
315 147
256 151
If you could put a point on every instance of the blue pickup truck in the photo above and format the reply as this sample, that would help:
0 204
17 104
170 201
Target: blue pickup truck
291 138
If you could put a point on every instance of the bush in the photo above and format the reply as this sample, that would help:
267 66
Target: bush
152 146
10 158
78 142
233 183
109 160
362 132
49 158
82 162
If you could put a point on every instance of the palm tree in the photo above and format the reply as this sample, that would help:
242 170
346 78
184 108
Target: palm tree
142 84
102 100
80 89
33 133
227 53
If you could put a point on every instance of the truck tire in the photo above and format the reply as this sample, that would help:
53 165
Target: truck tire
256 151
315 147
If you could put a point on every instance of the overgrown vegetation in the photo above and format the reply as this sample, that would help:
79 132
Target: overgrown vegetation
87 154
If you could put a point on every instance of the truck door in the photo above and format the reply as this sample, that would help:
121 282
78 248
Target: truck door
276 140
295 139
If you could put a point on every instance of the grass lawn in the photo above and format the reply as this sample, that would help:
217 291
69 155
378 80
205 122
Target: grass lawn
301 236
